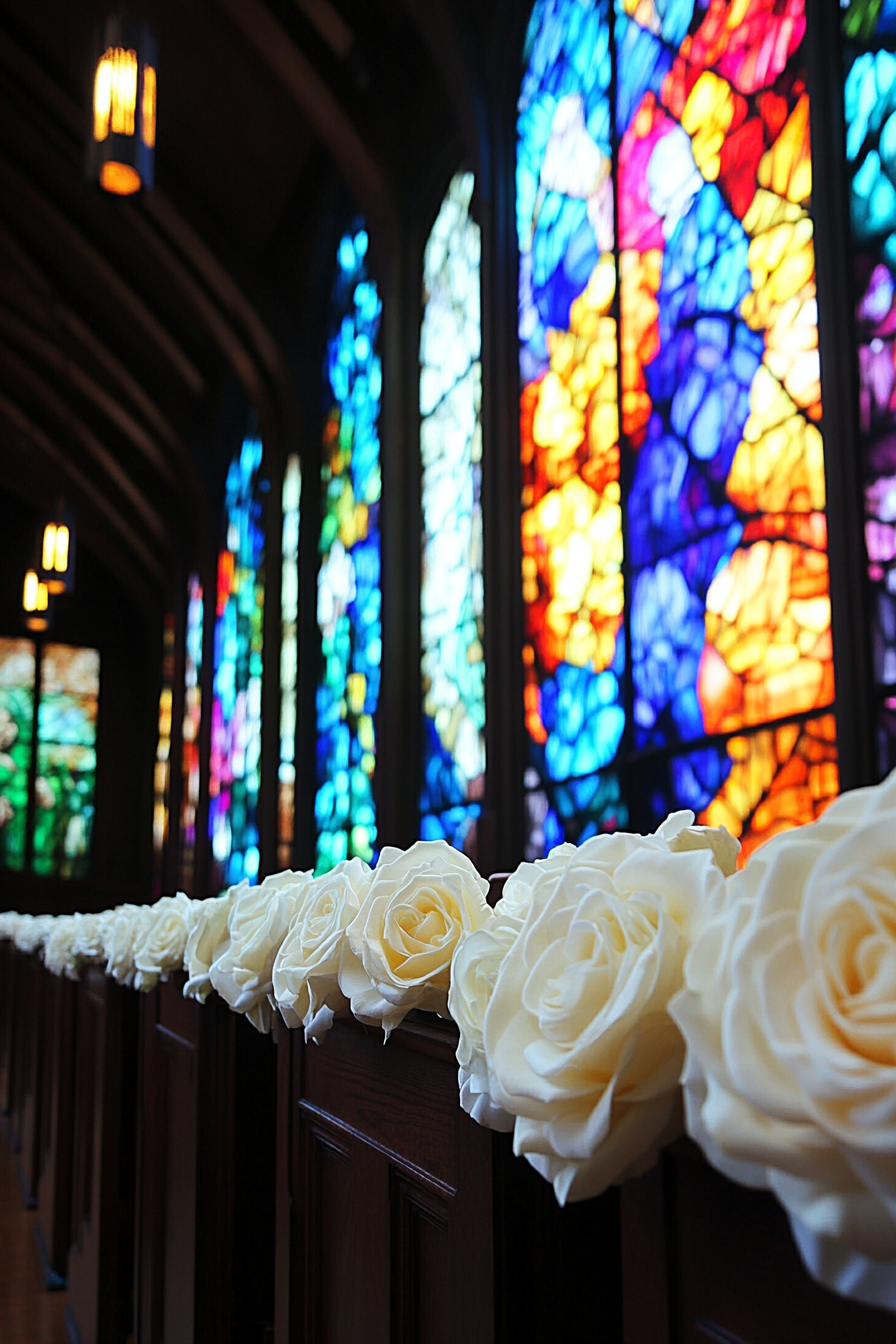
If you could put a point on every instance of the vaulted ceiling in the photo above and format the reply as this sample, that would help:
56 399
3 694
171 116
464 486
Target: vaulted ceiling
125 325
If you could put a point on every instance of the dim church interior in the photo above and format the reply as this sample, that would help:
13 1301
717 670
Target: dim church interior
413 271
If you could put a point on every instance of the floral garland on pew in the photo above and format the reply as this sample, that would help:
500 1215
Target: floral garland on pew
609 983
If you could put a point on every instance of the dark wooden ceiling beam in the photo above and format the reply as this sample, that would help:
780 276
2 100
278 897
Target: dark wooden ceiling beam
60 362
242 356
218 280
86 338
224 336
24 376
80 484
363 174
17 190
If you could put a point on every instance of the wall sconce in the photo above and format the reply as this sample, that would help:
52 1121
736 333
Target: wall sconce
35 602
56 549
122 138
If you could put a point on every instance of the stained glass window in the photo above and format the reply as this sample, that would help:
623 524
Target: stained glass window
866 19
192 722
348 593
17 664
674 536
235 763
161 776
451 597
66 760
870 105
289 659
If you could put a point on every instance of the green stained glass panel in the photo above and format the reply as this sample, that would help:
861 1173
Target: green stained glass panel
16 718
66 760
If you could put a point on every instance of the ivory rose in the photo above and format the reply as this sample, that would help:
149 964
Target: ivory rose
257 924
89 937
32 931
9 922
404 935
161 948
578 1041
209 938
789 1014
306 971
123 933
474 971
60 955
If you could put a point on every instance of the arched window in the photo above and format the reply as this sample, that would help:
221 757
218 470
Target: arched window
677 647
348 597
451 599
235 763
870 104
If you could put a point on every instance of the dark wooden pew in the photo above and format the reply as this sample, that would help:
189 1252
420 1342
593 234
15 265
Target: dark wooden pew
7 1016
29 1053
56 1134
205 1216
101 1259
399 1220
707 1260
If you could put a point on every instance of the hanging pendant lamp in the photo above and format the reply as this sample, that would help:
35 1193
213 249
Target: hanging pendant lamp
122 138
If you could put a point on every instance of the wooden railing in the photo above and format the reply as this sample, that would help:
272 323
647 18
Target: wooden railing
197 1183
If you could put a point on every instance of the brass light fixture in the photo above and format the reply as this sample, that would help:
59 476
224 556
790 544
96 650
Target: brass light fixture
122 138
56 551
35 602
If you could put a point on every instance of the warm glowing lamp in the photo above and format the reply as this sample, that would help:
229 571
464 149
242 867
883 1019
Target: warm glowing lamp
122 137
56 548
35 602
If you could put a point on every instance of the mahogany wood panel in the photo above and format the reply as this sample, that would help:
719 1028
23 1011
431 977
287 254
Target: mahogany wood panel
28 1102
731 1273
390 1185
7 1011
205 1211
100 1274
54 1192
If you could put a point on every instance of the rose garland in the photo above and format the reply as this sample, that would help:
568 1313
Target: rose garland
610 981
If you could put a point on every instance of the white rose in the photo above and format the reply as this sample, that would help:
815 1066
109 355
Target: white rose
208 939
32 931
789 1014
404 935
474 972
516 898
161 949
60 956
124 931
306 971
257 924
577 1037
9 922
89 944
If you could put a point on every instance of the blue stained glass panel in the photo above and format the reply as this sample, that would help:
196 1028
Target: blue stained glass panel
235 762
451 595
349 592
